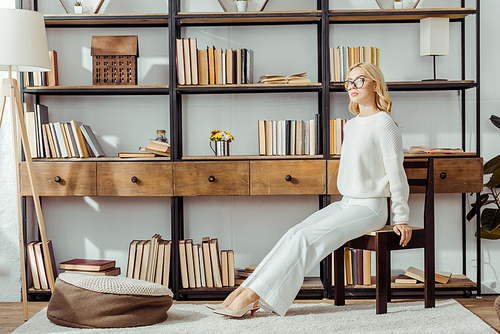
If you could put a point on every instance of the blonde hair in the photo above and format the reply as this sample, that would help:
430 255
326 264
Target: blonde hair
382 98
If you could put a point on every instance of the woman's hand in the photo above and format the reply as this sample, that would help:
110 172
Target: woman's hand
404 231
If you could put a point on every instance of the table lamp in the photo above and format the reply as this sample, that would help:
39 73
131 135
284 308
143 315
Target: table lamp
23 47
435 39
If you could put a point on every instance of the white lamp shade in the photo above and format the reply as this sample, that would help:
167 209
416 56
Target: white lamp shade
23 41
435 36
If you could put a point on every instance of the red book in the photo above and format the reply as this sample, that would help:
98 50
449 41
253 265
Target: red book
87 265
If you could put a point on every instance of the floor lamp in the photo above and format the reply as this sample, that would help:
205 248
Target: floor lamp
23 46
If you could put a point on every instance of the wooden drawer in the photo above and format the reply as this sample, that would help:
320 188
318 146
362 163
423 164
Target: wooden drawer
333 172
61 178
134 179
225 178
288 177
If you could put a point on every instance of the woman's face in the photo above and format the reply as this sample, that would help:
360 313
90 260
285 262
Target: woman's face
360 87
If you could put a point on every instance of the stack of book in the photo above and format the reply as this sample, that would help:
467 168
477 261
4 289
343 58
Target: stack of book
37 264
299 78
149 260
343 57
336 135
203 266
357 267
419 275
154 148
91 267
212 66
290 137
60 139
39 79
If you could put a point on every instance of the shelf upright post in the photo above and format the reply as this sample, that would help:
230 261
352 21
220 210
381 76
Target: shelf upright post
478 141
324 112
463 106
176 207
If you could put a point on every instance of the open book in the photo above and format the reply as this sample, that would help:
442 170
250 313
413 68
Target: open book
426 149
299 78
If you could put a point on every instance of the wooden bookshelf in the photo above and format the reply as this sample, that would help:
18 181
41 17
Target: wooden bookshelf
105 20
400 15
100 90
455 282
245 18
417 85
253 157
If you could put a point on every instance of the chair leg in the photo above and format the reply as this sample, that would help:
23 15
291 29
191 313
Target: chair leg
381 259
338 279
388 274
430 283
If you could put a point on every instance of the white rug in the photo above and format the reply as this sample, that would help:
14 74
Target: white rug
409 317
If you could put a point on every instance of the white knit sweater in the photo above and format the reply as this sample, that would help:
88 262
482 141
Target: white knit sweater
371 164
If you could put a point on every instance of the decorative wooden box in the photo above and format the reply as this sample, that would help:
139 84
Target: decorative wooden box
114 60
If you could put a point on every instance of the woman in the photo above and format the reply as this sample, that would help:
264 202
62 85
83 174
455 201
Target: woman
370 170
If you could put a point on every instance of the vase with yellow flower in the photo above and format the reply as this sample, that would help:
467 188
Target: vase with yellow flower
221 140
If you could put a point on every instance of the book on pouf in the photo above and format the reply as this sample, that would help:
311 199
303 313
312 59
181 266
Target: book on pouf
87 265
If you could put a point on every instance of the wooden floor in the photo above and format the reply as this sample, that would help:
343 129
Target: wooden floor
11 314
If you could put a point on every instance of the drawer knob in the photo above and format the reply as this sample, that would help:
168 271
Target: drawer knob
57 179
134 179
288 178
211 178
443 175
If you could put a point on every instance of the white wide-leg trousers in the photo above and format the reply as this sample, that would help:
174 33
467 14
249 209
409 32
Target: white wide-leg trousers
279 277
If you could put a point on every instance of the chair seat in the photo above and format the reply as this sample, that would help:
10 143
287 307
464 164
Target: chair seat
390 228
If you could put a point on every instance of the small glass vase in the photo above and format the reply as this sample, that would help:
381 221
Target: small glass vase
221 148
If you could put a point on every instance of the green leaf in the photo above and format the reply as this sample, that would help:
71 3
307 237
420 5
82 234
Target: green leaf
495 120
492 165
484 201
490 219
494 180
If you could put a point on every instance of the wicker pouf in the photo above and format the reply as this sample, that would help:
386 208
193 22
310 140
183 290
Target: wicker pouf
89 301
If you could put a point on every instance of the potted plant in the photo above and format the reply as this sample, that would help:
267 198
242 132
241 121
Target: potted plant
241 5
490 216
222 140
78 7
398 4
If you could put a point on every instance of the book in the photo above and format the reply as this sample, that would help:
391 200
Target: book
348 267
440 276
190 263
193 48
91 139
181 74
131 258
367 267
74 126
40 265
183 264
203 67
211 65
30 247
187 60
138 259
299 78
153 257
160 262
156 152
115 271
87 264
196 259
136 155
166 263
205 244
29 120
230 264
262 137
53 75
216 267
427 149
145 260
224 268
46 141
202 266
403 279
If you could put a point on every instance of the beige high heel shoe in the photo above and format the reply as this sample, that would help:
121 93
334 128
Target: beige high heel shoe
221 307
237 314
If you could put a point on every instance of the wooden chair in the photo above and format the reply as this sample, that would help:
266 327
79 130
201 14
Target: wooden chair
420 173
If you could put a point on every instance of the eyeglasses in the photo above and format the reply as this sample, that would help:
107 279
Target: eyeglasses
356 83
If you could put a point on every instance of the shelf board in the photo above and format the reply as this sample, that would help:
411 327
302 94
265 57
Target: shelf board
105 20
99 90
247 18
248 88
397 15
253 157
417 85
455 282
101 159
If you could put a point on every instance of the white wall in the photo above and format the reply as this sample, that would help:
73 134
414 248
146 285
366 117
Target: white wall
103 227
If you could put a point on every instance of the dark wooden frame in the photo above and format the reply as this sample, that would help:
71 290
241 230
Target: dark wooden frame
385 241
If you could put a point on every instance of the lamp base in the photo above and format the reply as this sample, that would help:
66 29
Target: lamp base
434 68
